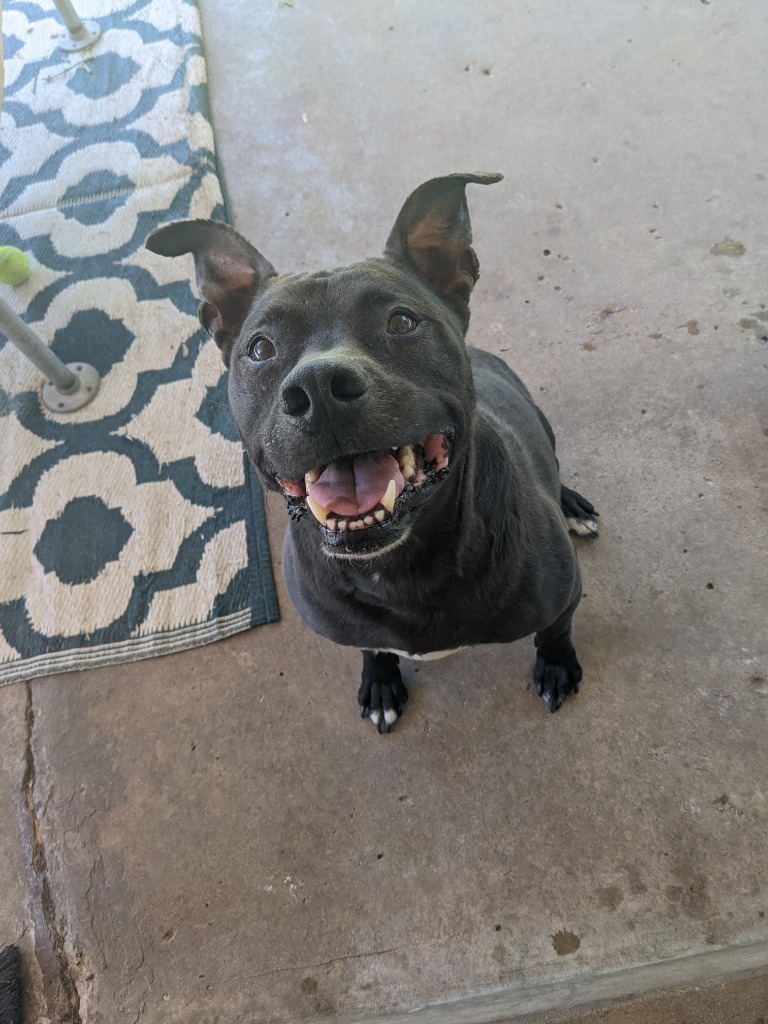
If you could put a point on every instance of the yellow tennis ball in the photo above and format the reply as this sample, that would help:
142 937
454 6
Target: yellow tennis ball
14 265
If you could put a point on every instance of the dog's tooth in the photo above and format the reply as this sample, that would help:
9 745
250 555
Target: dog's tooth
388 501
369 520
311 477
330 523
406 454
318 511
407 461
379 515
343 525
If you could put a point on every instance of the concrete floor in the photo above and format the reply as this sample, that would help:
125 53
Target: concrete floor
216 836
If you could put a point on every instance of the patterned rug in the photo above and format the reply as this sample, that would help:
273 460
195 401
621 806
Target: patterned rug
133 527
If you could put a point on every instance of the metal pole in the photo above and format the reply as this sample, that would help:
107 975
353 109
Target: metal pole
79 35
68 386
25 339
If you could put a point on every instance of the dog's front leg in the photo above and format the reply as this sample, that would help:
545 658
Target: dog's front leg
557 672
382 692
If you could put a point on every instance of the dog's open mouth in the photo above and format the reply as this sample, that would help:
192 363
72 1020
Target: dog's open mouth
359 492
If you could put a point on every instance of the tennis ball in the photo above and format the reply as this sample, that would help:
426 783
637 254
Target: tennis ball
14 265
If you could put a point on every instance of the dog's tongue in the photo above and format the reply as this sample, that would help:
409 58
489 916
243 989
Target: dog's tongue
353 486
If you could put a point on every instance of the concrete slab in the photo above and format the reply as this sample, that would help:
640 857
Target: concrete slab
224 838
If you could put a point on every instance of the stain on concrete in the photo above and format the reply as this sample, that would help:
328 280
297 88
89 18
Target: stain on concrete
760 685
610 896
637 886
728 247
499 953
756 324
565 943
692 326
722 803
657 335
715 932
309 986
589 346
691 897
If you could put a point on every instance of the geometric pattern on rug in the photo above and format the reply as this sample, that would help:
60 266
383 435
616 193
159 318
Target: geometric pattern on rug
134 526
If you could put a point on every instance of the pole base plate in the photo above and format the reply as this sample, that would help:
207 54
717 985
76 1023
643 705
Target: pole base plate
72 43
85 392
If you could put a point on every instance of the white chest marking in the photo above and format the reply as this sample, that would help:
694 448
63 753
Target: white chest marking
429 656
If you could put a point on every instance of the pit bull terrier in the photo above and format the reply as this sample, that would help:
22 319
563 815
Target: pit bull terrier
421 481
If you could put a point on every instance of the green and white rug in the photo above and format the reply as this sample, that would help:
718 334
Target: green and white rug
133 527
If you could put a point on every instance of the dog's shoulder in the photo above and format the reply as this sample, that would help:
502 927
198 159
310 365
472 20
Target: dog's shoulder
507 409
493 375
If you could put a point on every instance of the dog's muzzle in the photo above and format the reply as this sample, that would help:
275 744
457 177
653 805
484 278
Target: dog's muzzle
358 494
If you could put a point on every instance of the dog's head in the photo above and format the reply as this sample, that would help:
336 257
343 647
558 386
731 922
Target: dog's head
351 388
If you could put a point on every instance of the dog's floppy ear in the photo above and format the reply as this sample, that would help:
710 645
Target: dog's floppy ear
229 273
433 233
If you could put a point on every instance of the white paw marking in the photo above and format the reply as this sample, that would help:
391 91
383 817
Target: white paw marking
390 716
582 527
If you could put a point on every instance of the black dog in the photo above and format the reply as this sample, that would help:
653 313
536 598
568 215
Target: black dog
421 480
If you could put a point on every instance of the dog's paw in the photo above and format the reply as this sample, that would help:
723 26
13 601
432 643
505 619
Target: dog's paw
580 514
555 680
382 692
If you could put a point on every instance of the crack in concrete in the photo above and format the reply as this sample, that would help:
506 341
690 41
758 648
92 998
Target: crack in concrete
307 967
70 997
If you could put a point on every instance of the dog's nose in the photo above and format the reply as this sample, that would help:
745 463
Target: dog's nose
322 385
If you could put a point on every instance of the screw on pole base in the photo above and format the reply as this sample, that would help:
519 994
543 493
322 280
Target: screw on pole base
84 37
85 390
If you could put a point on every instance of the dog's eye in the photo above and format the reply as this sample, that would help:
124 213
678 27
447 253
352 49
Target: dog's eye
402 322
260 349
